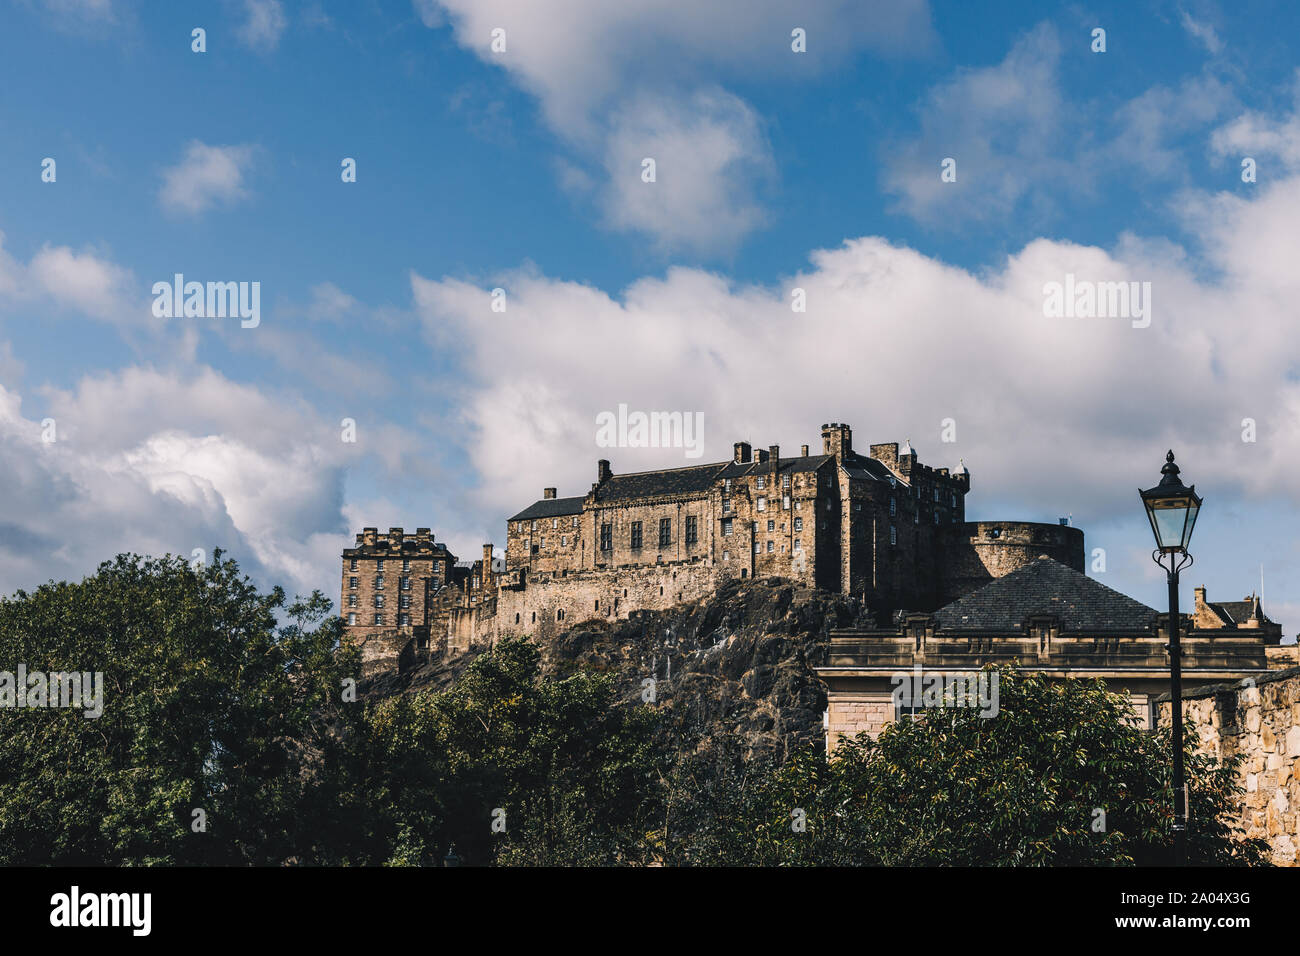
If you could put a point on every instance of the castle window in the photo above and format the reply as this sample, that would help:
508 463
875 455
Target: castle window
798 545
575 521
352 619
758 547
785 503
785 482
726 486
954 499
916 516
798 524
636 536
533 527
352 600
516 618
762 504
760 482
555 522
771 525
893 507
564 540
769 547
936 517
665 532
607 537
379 620
936 493
379 565
379 600
726 526
559 615
823 525
406 564
379 581
893 535
828 504
352 566
726 555
857 506
404 600
534 620
352 582
406 584
726 505
403 620
692 529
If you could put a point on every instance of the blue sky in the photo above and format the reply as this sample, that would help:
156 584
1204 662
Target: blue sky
521 169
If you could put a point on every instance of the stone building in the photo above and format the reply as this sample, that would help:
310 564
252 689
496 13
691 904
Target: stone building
1050 618
882 527
394 591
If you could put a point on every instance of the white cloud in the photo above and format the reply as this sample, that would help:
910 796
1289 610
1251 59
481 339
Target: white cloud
205 176
1259 135
1000 123
264 24
83 281
158 462
1202 31
898 341
597 69
710 157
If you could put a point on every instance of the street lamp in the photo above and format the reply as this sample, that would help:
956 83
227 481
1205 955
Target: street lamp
1172 508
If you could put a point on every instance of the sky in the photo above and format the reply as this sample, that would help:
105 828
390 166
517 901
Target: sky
855 212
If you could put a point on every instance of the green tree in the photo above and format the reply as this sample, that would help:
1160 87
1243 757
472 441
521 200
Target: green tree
216 699
1028 787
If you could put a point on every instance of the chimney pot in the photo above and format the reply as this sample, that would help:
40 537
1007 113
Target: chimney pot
803 451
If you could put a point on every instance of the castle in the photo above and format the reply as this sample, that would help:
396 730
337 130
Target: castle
882 527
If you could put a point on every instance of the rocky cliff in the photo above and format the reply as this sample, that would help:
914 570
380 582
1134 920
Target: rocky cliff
734 667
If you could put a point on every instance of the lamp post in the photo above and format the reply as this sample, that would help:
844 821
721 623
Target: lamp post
1172 508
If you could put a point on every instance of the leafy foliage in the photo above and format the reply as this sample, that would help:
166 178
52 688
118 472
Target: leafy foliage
222 699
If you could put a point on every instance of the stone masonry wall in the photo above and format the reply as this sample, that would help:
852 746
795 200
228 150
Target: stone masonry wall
1259 718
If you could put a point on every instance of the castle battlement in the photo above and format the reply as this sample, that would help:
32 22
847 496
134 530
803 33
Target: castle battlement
883 528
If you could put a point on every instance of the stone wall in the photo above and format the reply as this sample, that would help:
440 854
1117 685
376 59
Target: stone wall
1260 719
975 552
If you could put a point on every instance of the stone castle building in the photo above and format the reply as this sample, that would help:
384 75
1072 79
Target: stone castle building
882 527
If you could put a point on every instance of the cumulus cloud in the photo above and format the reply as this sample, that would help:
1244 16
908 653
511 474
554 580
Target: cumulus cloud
158 462
1261 135
709 155
264 23
205 176
597 69
84 281
897 340
1021 148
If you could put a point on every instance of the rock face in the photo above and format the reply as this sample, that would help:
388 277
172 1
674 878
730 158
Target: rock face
737 666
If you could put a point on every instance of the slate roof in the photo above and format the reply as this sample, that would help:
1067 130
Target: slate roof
1045 586
698 479
550 508
1237 613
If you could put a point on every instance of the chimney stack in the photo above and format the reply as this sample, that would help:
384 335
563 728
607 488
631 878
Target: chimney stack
774 456
803 451
743 452
837 440
548 492
487 563
603 474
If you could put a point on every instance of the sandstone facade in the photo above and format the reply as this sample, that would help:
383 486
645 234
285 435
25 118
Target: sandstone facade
1258 718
